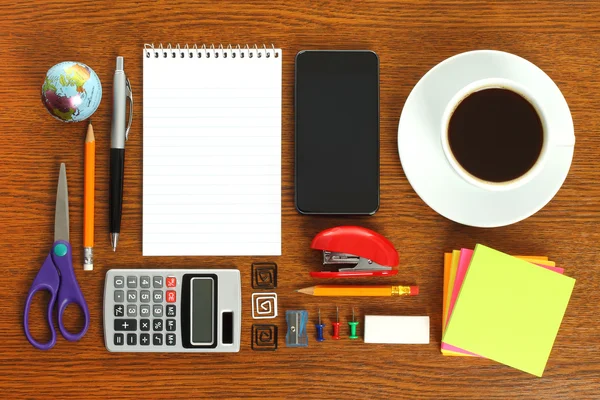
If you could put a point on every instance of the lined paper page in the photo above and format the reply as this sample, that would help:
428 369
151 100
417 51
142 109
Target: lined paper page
212 156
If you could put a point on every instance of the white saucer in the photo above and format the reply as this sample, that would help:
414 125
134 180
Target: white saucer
426 166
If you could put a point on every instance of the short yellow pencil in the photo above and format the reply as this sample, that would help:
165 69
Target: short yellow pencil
360 291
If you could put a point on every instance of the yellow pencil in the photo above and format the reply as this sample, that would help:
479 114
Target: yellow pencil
356 291
88 199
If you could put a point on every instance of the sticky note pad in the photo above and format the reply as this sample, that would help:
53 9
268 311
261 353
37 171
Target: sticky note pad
509 310
463 266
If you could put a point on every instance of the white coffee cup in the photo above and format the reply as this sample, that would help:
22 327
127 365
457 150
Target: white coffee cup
495 83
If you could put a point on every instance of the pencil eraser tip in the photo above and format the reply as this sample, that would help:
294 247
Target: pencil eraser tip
414 290
88 267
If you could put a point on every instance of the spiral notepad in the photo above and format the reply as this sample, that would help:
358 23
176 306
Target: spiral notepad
212 150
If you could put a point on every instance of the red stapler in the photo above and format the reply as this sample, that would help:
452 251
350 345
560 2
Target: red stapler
369 252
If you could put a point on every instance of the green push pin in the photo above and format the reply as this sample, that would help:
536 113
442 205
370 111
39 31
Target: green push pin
353 324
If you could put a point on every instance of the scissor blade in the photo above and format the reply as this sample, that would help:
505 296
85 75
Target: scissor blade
61 213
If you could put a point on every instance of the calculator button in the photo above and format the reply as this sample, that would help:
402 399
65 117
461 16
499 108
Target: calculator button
145 339
157 282
119 310
131 310
171 296
144 324
144 310
170 339
157 296
119 339
119 296
157 310
145 296
132 282
131 339
157 339
171 325
144 282
132 296
157 325
171 310
125 324
171 281
119 281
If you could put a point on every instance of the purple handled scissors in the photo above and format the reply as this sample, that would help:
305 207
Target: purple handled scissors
56 274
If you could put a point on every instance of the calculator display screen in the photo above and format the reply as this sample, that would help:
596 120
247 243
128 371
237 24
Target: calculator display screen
201 311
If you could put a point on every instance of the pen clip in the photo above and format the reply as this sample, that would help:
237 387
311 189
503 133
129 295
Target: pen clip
130 98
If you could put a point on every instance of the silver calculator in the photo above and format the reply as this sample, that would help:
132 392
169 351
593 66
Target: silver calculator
172 310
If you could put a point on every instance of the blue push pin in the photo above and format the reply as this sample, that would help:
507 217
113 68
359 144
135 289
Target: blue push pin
320 327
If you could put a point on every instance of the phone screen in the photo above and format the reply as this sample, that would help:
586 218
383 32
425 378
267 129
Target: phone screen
337 132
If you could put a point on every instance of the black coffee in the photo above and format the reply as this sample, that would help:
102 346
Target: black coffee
496 135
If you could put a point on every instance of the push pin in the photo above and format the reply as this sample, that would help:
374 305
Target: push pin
336 325
353 324
320 327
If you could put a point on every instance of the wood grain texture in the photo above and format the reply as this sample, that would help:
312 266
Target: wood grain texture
411 36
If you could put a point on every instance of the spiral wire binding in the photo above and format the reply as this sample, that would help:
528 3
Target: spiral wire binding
210 52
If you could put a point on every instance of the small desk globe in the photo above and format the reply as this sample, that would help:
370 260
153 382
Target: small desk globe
71 91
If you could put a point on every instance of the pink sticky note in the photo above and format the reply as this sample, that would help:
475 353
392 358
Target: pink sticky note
463 264
461 272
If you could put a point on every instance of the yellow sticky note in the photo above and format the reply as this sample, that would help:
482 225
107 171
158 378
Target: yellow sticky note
509 310
538 260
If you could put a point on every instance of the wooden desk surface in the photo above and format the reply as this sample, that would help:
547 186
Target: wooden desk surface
563 38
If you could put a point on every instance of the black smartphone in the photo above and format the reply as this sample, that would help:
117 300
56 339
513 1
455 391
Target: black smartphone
337 132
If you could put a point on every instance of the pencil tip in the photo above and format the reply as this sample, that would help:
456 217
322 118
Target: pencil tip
89 135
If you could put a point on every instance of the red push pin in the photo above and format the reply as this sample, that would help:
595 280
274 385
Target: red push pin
336 325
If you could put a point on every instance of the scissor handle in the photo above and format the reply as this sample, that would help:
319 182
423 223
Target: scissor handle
69 291
46 279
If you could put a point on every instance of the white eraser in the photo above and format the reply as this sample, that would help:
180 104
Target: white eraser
88 267
392 329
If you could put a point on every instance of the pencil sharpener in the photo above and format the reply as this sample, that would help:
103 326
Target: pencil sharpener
296 335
